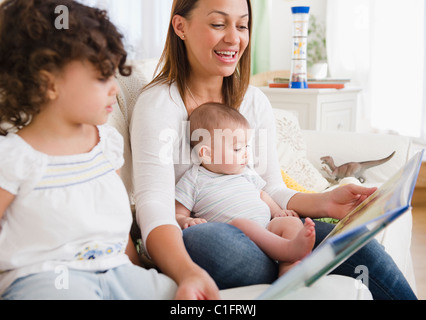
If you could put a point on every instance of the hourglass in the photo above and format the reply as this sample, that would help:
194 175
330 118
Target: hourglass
299 78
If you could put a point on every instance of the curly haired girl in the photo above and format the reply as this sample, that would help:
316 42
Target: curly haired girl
64 212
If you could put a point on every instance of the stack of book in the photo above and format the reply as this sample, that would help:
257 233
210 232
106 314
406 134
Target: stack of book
312 83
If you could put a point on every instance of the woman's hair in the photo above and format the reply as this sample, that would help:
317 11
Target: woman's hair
176 68
212 115
31 43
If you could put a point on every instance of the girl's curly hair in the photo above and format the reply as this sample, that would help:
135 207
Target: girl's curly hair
30 43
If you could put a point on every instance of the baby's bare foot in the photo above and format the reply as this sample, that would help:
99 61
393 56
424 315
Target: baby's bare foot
304 241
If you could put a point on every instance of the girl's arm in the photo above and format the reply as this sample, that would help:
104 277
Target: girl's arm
132 253
131 248
6 199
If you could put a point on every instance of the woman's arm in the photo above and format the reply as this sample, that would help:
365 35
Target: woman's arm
168 251
155 129
334 204
276 210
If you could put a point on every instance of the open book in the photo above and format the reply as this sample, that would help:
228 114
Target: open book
360 226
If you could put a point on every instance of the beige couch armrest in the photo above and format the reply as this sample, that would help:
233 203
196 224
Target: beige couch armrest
350 146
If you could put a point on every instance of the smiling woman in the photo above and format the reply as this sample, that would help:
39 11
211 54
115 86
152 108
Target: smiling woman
207 59
215 37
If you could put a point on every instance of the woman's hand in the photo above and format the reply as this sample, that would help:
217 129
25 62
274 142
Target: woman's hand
343 200
197 285
332 204
167 250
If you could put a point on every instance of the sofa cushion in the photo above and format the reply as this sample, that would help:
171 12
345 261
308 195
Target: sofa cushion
130 89
331 287
291 149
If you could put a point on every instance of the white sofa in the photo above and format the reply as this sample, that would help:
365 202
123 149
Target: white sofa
299 152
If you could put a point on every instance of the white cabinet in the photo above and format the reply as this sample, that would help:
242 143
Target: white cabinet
318 109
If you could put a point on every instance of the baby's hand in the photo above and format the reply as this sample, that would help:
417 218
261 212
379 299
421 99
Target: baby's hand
286 213
193 221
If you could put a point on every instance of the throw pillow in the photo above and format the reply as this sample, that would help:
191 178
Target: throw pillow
292 156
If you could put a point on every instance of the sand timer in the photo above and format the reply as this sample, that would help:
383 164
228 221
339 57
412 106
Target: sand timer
299 77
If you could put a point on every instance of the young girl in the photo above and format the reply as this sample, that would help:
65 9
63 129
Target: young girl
64 212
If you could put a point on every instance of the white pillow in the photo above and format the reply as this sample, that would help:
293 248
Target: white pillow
291 149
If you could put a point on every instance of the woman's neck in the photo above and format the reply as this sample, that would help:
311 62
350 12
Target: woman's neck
199 91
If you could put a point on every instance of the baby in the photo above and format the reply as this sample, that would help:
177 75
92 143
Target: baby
222 188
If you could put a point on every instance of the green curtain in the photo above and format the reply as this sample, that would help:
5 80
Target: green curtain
260 37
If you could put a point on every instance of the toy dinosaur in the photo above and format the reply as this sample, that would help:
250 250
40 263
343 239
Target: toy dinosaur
351 169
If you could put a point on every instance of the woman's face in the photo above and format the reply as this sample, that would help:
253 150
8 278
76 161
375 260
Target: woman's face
216 36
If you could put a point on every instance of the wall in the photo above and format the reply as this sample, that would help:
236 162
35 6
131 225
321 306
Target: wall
281 28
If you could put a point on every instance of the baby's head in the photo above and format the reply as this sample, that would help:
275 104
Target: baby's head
39 36
219 137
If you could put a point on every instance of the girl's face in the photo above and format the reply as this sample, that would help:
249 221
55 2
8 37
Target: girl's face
216 36
84 95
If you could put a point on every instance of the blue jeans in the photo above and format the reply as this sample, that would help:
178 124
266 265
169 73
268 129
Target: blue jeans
127 282
233 260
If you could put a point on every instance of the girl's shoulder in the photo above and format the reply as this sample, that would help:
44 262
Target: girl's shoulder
12 146
19 162
112 144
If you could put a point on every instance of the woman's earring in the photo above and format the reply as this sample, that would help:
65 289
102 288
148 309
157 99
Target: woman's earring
182 37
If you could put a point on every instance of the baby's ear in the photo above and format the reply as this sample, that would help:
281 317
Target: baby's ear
49 84
204 153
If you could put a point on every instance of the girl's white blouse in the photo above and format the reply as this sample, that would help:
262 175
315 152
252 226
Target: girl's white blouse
68 212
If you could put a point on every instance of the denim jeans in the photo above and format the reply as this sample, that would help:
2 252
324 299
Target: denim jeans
127 282
233 260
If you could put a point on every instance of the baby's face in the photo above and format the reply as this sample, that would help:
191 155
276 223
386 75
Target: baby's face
229 150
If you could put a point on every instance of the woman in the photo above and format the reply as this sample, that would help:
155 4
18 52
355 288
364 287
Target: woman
207 58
